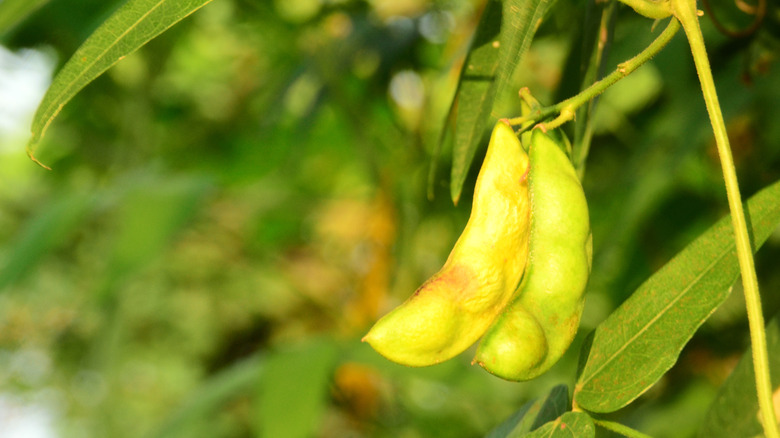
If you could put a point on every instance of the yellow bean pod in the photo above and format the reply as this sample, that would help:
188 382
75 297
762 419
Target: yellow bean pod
455 307
539 325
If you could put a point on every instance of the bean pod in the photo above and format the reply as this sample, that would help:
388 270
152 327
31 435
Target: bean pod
539 325
455 307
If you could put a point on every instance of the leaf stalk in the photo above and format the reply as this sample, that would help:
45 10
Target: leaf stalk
566 108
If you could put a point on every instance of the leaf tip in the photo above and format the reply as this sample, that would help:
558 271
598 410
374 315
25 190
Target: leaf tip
455 194
35 160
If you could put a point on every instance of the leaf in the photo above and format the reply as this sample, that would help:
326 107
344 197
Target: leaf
129 28
569 425
474 97
642 339
734 412
521 19
534 414
293 390
13 12
487 73
213 393
151 213
445 138
49 229
593 65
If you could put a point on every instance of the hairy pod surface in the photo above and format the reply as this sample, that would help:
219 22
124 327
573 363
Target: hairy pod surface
455 307
538 326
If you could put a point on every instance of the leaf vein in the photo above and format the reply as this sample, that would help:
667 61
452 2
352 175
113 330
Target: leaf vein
662 313
69 87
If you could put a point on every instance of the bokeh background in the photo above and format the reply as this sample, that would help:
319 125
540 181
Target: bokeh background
232 206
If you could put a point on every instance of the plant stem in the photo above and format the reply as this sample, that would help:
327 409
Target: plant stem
685 11
566 108
650 8
583 131
619 428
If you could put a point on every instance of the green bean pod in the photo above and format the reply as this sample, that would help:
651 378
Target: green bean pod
455 307
538 326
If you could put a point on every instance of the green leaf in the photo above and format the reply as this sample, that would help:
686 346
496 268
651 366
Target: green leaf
445 138
487 73
735 410
43 233
151 213
569 425
293 390
129 28
642 339
212 394
593 64
474 98
534 414
521 19
13 12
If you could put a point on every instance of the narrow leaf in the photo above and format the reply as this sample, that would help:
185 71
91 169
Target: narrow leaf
211 395
294 388
445 137
474 98
487 73
534 414
13 12
735 410
642 339
569 425
596 44
129 28
150 215
521 19
46 231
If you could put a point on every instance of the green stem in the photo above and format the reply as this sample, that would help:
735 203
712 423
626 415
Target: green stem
649 8
685 11
566 108
619 428
583 131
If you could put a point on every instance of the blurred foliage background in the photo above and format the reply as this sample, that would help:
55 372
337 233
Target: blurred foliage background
232 206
